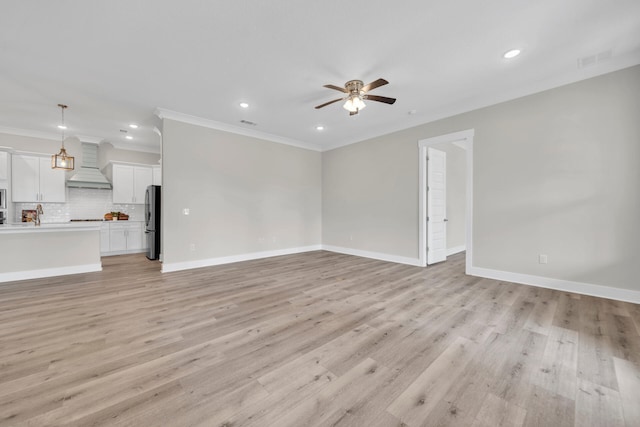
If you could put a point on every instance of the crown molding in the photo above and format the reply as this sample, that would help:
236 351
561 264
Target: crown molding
30 133
89 139
568 77
128 146
212 124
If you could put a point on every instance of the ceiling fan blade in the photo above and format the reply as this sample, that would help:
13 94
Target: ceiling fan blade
338 88
373 85
380 99
329 103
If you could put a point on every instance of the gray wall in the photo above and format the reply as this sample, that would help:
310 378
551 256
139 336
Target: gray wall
555 173
244 194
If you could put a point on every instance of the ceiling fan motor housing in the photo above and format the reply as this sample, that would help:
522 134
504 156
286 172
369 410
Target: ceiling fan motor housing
354 87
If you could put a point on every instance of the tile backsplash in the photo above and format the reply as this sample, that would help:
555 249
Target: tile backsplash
82 203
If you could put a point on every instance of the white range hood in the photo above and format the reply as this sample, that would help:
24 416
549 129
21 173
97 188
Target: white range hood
89 176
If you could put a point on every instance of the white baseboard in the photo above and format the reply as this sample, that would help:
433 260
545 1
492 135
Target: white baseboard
374 255
187 265
456 250
49 272
126 252
559 284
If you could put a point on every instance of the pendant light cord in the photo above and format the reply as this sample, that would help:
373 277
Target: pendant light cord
62 107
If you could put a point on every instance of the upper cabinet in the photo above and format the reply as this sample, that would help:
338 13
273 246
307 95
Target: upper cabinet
129 182
33 180
157 175
4 165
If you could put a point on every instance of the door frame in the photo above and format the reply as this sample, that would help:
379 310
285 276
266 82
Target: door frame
465 136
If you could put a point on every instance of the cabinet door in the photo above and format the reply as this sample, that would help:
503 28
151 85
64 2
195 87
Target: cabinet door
157 175
52 183
25 171
104 238
142 178
123 184
134 237
4 165
117 238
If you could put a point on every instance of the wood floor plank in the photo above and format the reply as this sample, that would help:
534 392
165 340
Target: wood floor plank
314 339
414 405
628 375
598 406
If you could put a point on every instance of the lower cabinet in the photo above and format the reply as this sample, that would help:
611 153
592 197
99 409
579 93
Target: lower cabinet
123 237
104 238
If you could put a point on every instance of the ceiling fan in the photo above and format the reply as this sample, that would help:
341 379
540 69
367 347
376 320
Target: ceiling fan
356 94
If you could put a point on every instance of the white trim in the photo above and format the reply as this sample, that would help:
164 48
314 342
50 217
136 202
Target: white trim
423 144
456 250
129 146
212 124
89 139
600 291
187 265
30 133
49 272
492 98
27 227
373 255
125 252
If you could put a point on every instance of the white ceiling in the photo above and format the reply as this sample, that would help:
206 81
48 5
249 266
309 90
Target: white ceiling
115 62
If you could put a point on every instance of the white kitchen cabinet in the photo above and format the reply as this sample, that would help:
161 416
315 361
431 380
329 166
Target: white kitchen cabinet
4 165
33 180
129 182
157 175
105 238
124 237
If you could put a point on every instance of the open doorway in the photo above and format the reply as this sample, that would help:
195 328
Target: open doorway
454 224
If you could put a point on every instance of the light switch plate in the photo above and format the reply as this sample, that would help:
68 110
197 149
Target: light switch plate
185 211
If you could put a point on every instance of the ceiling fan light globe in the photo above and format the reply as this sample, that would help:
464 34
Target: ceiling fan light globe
354 104
348 105
359 103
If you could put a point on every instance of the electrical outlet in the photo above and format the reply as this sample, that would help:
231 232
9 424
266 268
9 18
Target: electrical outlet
542 259
192 247
185 211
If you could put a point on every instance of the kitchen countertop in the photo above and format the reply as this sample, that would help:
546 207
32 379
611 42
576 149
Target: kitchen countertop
29 227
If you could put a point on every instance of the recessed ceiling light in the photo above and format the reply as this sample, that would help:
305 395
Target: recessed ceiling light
133 126
62 127
319 127
244 105
511 53
129 137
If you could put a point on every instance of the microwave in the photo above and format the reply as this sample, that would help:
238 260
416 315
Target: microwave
3 198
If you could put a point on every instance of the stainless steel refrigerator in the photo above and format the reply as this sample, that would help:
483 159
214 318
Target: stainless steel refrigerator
152 221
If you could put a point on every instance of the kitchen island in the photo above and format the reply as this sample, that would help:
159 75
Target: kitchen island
51 249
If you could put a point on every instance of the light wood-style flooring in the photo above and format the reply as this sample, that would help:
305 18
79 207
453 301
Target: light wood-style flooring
316 339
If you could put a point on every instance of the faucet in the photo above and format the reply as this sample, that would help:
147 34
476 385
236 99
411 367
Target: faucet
39 211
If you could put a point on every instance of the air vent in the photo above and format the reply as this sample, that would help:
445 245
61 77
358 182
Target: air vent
588 61
247 122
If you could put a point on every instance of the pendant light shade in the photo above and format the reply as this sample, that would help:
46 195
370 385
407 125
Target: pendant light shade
62 160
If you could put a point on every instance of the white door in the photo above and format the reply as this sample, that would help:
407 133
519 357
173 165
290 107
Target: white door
436 206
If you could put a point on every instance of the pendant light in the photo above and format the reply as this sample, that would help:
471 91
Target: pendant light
62 160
